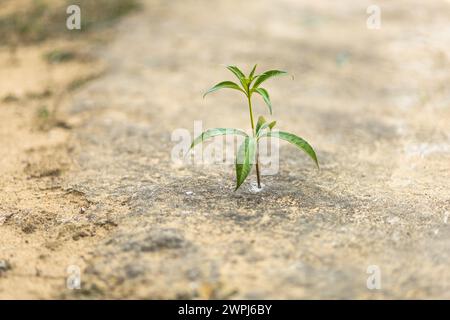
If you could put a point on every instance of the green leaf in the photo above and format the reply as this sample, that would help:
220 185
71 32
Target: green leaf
295 140
267 75
244 160
223 85
216 132
263 92
239 74
260 122
252 73
264 126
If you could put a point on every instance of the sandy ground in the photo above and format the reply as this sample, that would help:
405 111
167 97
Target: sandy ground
101 191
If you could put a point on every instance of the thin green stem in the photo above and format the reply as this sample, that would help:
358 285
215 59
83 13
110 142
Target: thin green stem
258 178
251 113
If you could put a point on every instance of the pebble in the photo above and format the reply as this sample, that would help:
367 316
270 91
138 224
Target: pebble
4 266
254 187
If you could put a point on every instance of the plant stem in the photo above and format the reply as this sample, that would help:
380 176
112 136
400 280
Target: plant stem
258 178
251 114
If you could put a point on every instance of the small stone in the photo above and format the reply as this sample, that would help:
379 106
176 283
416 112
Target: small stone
254 187
82 210
4 266
189 193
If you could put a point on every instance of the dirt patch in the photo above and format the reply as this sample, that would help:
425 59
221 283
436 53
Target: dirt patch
29 21
101 192
45 225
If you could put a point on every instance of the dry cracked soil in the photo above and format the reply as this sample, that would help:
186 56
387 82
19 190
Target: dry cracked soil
107 197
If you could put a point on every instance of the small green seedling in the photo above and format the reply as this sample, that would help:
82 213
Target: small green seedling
248 151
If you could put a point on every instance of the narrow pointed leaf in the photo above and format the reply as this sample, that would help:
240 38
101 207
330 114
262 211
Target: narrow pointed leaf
267 75
252 73
224 85
244 160
216 132
265 126
260 123
239 74
263 92
295 140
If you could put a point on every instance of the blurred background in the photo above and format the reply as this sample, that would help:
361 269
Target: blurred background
85 144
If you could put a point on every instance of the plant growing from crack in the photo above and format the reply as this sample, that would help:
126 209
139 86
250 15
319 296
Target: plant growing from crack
248 152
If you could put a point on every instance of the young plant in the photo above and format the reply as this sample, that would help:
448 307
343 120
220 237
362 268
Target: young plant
248 153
